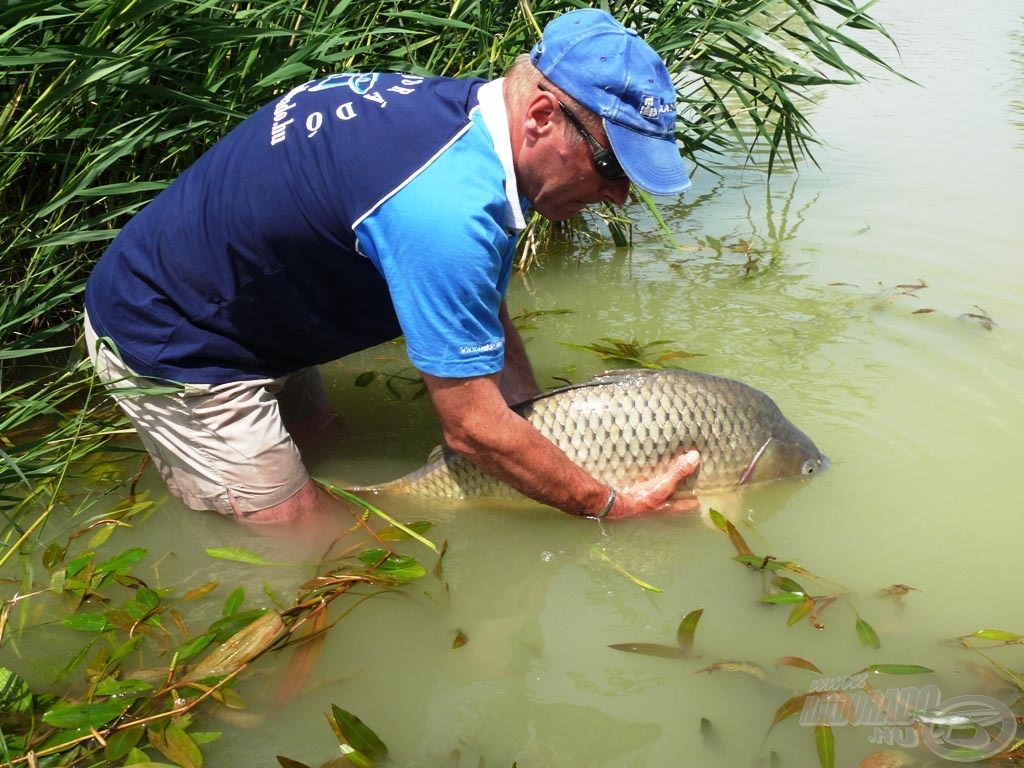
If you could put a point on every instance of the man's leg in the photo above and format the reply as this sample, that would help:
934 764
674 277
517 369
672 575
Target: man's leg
221 447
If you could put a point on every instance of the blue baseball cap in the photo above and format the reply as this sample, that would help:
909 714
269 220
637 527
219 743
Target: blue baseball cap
613 72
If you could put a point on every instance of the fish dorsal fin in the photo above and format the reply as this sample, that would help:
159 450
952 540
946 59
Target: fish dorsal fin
623 374
435 453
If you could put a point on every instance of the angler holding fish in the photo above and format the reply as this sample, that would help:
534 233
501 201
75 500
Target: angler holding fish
357 208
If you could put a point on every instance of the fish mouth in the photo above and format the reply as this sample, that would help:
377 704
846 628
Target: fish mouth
753 462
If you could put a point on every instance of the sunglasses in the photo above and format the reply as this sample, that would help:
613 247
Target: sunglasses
604 159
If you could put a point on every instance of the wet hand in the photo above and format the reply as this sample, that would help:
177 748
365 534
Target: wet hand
659 493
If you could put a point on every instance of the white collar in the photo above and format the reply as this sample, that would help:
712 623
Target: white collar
492 108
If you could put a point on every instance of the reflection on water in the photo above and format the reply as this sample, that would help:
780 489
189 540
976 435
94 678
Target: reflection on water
792 287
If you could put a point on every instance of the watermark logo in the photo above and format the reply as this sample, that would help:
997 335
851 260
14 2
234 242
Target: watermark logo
961 729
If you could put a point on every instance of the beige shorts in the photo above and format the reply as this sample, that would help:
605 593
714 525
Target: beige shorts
225 447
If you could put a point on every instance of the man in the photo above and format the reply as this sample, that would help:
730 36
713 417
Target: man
354 209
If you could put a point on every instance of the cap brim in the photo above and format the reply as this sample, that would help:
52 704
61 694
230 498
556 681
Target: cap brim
653 164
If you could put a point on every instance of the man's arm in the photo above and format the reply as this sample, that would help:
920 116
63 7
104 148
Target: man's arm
517 381
478 424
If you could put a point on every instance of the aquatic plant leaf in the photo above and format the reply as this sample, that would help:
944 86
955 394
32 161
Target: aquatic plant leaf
122 563
233 602
596 549
651 649
201 591
238 555
191 647
87 622
867 634
394 533
782 598
120 743
897 669
825 742
796 661
748 668
687 628
787 584
15 695
287 762
725 525
998 635
91 715
364 379
357 735
401 567
800 611
364 504
790 707
461 638
124 689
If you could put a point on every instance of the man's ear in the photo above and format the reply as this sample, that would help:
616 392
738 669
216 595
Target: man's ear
539 118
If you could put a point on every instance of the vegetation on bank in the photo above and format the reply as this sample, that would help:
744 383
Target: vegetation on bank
108 100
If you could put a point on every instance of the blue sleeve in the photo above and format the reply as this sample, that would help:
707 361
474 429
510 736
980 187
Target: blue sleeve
441 244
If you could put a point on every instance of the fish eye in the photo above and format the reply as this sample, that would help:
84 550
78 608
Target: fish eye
810 467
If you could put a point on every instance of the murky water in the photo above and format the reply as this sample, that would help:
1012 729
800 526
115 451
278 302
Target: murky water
916 399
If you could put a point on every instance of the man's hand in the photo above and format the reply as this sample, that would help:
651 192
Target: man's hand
659 493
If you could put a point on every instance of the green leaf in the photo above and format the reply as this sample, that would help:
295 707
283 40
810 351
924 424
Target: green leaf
998 635
898 669
782 598
92 715
15 695
687 628
124 689
651 649
358 735
233 602
180 748
397 566
867 634
122 563
191 647
87 622
825 742
800 611
120 743
394 533
238 555
787 584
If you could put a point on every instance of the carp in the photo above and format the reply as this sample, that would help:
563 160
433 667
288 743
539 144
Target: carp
626 426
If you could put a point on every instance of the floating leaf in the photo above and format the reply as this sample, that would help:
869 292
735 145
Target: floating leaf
87 622
356 734
825 742
233 602
394 533
787 584
897 669
651 649
687 628
896 590
364 379
238 555
997 635
120 743
400 567
796 661
790 707
201 591
800 611
179 747
287 762
460 639
782 598
867 634
77 716
123 562
741 667
15 695
724 524
124 689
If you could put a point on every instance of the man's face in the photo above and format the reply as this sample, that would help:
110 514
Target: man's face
557 174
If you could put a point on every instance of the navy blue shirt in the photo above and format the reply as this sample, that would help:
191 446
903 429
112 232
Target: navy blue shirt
351 210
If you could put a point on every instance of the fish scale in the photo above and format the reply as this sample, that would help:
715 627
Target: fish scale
624 427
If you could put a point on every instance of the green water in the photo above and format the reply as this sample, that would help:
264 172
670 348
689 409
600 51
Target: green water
920 412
